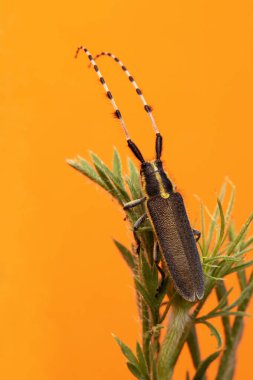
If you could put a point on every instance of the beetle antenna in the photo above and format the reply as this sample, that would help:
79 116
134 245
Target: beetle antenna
147 108
117 113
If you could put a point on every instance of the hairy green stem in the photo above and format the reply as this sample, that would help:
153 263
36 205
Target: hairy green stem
179 326
145 332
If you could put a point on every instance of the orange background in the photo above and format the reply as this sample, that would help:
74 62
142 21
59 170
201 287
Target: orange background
63 286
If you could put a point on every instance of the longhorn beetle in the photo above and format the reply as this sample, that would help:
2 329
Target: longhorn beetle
164 206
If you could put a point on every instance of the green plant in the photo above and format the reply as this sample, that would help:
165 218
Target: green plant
223 251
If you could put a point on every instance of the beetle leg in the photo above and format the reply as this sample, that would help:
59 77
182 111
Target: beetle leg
156 257
137 224
197 234
134 203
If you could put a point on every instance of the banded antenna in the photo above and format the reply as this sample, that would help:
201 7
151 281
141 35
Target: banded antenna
117 113
147 108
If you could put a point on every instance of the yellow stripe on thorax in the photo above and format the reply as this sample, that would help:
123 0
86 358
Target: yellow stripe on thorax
163 192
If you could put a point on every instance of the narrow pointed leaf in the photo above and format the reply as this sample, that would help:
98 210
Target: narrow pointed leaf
223 313
150 279
210 265
222 229
204 365
135 371
223 258
117 168
214 332
126 254
248 243
240 267
146 297
223 301
240 235
213 277
133 190
142 361
105 178
242 252
133 180
230 203
110 179
127 352
215 216
241 276
98 162
203 229
84 168
244 294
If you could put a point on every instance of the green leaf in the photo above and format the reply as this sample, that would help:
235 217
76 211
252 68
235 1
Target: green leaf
135 371
126 254
243 252
240 267
84 168
210 265
241 276
214 332
240 235
146 297
213 277
142 361
149 275
203 229
223 301
205 364
127 352
110 179
98 162
222 229
223 314
231 202
117 168
133 180
247 243
223 258
244 294
103 174
215 216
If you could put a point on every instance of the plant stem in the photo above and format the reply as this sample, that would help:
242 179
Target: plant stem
179 326
220 291
228 359
145 332
193 345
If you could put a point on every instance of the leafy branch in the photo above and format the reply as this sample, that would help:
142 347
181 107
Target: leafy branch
223 253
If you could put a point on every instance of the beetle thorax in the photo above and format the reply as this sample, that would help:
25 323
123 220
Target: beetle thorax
154 179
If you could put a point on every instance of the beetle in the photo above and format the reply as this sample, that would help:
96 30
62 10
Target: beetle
163 204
